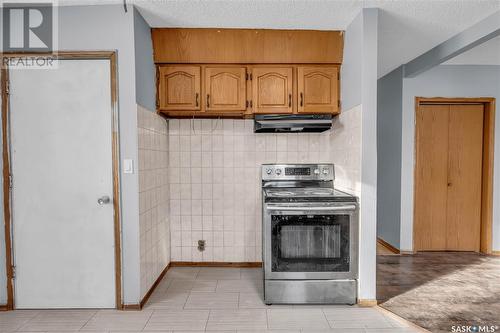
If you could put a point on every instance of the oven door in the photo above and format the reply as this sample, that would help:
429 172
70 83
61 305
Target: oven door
310 240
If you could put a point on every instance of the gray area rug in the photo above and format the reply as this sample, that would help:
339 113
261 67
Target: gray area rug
439 290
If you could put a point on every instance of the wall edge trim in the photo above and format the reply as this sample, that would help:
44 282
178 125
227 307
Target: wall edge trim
367 302
388 246
215 264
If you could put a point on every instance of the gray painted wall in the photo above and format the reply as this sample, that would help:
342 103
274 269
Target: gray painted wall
445 81
109 28
145 83
350 72
368 209
389 117
359 87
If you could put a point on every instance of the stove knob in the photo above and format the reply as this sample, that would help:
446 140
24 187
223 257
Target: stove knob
316 171
278 172
326 172
269 171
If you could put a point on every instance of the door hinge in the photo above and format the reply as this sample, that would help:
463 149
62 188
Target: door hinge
7 87
11 181
13 268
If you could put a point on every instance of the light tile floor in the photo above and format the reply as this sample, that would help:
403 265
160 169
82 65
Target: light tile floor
192 299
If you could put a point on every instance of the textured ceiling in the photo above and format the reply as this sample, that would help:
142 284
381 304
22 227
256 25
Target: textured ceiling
407 28
487 53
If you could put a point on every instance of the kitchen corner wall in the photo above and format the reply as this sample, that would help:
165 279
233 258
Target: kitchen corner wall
345 150
215 183
154 226
359 87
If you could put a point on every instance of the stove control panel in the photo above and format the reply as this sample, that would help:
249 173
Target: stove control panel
298 172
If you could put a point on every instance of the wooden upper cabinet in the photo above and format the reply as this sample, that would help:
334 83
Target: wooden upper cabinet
272 89
242 72
225 88
179 88
246 46
318 89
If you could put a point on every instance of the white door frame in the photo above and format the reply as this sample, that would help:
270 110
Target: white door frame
73 55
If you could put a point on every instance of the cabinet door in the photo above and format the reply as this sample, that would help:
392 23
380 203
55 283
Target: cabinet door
318 89
272 89
225 88
179 88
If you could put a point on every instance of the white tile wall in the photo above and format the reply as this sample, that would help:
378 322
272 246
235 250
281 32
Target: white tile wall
215 180
345 150
153 196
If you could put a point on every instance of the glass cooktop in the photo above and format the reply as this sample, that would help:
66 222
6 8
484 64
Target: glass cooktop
306 194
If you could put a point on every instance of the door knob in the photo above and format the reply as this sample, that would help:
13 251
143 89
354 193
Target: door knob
103 200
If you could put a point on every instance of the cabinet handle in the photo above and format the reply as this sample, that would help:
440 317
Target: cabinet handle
289 100
301 99
197 95
208 100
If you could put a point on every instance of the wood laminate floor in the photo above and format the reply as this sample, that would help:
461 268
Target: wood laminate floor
437 290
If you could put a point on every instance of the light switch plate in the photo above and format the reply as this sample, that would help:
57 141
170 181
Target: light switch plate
128 166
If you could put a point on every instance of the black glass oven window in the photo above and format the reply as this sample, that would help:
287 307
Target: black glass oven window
318 243
302 241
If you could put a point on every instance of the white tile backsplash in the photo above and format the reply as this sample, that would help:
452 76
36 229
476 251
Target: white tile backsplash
154 189
345 149
215 179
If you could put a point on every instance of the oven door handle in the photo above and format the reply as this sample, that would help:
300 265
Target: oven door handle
312 208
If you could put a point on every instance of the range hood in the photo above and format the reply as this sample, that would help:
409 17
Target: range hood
292 123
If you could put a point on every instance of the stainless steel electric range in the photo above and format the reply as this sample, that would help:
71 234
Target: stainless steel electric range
310 236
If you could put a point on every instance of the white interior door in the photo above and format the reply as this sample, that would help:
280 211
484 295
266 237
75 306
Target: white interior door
61 160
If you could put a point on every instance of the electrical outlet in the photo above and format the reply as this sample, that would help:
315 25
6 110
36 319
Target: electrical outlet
201 245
